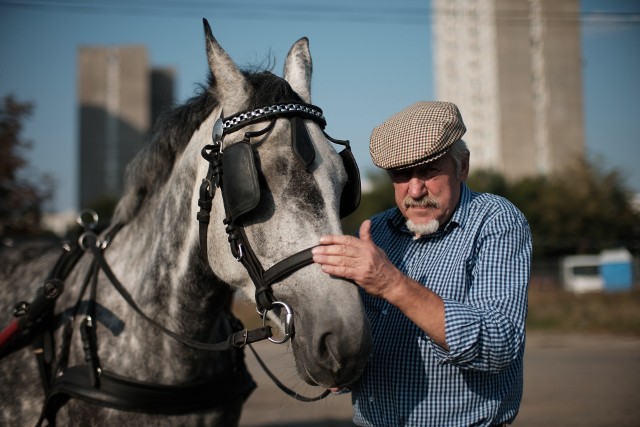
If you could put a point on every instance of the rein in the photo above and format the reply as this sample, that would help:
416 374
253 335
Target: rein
236 340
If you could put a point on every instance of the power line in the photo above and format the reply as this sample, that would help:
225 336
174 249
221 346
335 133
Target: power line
239 10
302 11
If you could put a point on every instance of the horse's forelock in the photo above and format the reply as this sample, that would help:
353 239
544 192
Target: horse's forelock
269 89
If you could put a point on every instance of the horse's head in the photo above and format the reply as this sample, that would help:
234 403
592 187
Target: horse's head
283 185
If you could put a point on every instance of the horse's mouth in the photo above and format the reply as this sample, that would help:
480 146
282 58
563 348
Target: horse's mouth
333 374
308 377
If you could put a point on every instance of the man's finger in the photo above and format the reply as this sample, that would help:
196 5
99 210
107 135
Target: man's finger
365 230
334 239
339 239
335 260
337 270
338 250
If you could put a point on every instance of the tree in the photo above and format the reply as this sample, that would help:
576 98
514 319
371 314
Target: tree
488 181
580 209
377 198
21 200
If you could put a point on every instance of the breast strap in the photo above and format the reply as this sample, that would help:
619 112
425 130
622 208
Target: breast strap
126 394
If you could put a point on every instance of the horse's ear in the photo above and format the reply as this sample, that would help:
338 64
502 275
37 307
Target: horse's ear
230 83
298 68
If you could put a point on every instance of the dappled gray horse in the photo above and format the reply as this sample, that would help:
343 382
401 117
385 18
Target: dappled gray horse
241 172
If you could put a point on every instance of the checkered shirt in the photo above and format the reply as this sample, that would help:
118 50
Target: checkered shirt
479 263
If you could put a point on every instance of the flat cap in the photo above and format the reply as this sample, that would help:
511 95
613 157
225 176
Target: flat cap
420 134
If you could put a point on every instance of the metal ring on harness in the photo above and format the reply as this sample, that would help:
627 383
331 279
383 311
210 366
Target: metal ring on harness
288 322
84 244
93 220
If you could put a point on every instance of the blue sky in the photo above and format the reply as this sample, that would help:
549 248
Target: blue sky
371 59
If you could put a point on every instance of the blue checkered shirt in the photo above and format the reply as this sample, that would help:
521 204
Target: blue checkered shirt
479 263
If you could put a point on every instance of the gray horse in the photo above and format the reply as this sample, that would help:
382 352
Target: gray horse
157 280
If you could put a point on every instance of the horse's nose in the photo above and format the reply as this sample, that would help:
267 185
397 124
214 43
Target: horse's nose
340 355
329 350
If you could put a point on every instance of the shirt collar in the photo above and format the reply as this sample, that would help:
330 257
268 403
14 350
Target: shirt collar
459 217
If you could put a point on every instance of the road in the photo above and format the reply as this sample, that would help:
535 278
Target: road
571 380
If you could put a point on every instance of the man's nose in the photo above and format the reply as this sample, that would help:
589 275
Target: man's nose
417 187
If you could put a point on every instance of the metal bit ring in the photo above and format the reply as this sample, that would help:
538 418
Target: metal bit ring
288 323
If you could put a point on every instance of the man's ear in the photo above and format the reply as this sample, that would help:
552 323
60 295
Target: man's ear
464 169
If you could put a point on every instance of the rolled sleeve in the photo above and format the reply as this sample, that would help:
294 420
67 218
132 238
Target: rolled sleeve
487 331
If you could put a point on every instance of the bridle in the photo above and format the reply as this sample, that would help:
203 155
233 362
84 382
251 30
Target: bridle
233 170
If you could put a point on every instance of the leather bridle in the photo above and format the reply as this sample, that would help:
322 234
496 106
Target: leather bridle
215 154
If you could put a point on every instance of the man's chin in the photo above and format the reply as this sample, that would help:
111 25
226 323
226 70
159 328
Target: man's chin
423 227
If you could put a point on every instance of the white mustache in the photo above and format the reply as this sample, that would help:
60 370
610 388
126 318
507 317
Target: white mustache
423 202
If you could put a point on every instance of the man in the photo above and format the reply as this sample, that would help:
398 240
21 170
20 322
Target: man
443 278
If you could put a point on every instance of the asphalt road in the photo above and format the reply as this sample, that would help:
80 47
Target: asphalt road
570 380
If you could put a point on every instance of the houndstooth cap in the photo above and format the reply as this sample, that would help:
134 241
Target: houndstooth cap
420 134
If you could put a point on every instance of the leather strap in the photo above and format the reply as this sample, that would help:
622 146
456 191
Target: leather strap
288 266
127 394
236 340
283 387
240 120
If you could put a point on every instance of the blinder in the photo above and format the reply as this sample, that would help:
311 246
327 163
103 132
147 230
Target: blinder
241 189
351 192
301 143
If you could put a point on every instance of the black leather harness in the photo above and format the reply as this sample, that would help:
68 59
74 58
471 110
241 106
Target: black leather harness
95 385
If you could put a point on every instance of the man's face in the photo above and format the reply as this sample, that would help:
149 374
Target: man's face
430 191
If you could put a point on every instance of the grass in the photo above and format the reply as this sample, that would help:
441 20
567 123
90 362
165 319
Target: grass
554 310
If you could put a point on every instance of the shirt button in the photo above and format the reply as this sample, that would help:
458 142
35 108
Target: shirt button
384 312
371 399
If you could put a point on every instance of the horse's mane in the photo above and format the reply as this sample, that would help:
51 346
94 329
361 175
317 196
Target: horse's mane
153 165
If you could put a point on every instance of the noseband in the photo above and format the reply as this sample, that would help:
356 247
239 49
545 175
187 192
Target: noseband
236 203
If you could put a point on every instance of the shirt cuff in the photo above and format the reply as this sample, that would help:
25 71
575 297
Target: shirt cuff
462 328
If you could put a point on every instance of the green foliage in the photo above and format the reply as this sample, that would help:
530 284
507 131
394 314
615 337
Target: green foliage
379 198
21 199
581 209
489 181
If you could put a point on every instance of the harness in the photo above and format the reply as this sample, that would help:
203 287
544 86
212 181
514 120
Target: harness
233 170
93 384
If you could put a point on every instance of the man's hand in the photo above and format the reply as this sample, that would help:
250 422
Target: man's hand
360 260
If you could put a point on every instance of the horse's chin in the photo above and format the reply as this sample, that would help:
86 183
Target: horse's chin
307 378
330 382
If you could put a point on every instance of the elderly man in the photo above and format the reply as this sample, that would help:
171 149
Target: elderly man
443 278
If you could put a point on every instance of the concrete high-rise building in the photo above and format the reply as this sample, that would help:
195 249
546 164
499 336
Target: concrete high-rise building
514 69
162 90
119 97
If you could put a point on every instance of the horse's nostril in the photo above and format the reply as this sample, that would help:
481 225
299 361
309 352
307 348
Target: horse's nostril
329 348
